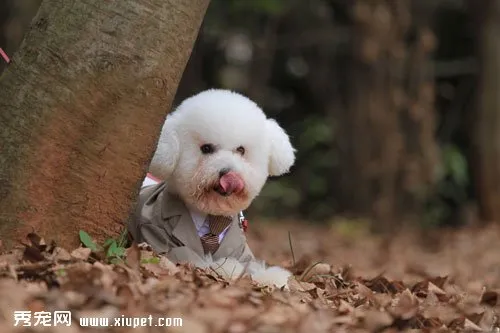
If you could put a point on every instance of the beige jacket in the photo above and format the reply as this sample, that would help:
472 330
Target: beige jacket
162 220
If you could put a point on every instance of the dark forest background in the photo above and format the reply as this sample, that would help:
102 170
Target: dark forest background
393 106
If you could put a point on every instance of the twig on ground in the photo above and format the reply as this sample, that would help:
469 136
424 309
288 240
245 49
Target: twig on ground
308 269
291 247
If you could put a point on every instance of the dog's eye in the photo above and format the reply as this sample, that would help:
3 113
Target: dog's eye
207 148
241 150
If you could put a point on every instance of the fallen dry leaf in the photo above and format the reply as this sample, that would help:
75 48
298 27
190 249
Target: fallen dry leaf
81 253
406 306
446 293
490 298
61 254
315 270
133 257
470 326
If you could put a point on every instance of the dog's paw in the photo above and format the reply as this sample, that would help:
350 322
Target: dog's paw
228 268
272 276
231 268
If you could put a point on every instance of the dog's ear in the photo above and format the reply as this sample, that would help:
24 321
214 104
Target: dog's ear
167 152
282 154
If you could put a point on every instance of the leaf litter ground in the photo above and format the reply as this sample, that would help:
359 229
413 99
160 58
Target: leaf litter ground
443 282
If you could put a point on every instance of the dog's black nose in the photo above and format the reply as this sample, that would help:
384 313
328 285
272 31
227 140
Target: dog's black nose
222 172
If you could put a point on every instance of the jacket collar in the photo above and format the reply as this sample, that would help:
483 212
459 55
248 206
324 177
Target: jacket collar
185 229
232 240
172 205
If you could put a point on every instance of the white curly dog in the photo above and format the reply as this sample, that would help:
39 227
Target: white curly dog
214 155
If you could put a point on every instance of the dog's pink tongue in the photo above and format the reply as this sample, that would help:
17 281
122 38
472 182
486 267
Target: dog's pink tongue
231 182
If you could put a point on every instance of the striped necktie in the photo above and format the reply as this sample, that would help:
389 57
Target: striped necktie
216 224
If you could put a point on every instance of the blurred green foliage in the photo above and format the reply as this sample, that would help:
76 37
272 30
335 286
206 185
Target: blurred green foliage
451 191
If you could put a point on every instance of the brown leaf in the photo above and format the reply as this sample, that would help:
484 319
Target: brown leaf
60 254
301 265
33 270
382 300
125 292
237 327
432 322
155 270
344 320
457 323
363 290
346 273
315 270
489 320
81 253
164 268
166 264
421 322
420 289
381 285
469 325
345 307
37 241
435 289
190 324
32 254
489 298
375 320
50 249
335 302
439 281
435 285
295 285
475 317
10 258
35 305
438 292
431 299
133 257
406 306
316 293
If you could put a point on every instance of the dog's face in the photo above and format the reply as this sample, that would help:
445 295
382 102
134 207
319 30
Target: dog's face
217 150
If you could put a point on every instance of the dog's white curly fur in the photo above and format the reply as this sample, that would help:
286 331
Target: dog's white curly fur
227 120
231 268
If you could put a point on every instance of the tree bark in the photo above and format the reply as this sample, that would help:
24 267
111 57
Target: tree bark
487 124
387 123
82 105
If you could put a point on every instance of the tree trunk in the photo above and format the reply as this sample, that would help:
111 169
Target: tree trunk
387 124
487 126
82 105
